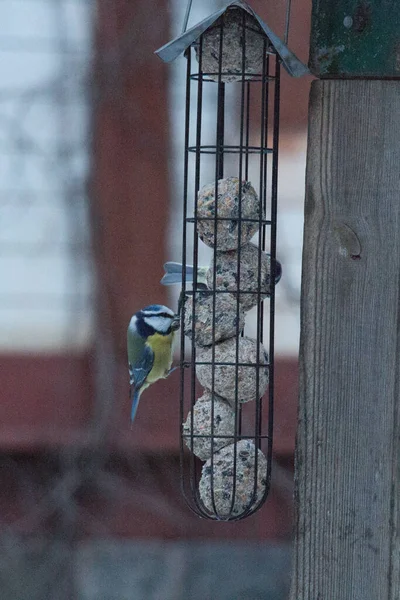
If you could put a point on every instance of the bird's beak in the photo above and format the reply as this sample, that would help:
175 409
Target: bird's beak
176 323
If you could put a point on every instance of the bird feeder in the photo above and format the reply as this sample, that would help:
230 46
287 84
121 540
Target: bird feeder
230 204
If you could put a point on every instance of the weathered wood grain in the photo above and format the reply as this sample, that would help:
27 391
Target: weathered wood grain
347 459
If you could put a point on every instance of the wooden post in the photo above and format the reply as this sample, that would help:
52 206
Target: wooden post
347 543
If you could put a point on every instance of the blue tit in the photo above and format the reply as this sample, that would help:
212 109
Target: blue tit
150 335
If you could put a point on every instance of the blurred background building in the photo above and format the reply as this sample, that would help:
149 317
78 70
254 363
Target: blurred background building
91 141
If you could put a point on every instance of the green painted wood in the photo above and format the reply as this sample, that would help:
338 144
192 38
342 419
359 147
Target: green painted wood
355 38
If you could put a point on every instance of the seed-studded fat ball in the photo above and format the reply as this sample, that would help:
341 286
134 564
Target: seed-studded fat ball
225 318
228 210
234 43
225 375
224 424
227 275
216 482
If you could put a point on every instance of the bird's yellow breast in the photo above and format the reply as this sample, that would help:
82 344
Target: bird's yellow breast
162 348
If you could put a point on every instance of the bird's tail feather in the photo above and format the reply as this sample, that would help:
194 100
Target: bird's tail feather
135 403
173 273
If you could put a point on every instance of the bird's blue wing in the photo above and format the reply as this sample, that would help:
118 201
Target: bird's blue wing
138 371
140 368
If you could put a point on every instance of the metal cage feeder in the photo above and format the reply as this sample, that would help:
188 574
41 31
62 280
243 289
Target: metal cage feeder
232 182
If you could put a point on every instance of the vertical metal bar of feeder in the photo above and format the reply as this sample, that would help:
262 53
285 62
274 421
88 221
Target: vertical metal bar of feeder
239 243
266 152
266 147
183 293
261 232
219 165
274 200
250 507
246 176
262 238
193 462
246 170
261 227
220 129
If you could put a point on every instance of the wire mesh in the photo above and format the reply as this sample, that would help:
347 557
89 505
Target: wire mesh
235 479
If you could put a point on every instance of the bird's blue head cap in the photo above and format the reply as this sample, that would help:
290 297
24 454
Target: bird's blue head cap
156 318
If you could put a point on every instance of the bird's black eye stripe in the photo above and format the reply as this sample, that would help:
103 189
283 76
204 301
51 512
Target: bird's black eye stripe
157 314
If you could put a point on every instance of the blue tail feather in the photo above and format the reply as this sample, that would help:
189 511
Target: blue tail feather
135 403
172 267
173 273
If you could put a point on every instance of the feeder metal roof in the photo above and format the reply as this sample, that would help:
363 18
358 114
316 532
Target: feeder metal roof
173 49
